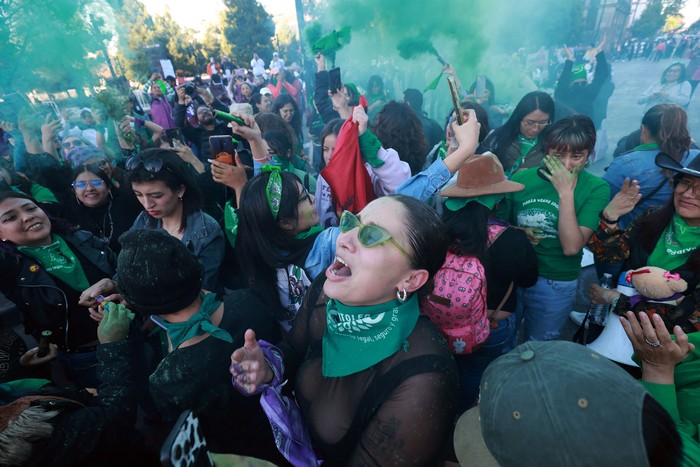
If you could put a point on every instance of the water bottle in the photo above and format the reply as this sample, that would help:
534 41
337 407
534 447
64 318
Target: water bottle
598 314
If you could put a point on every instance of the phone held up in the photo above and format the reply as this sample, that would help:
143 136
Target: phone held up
223 148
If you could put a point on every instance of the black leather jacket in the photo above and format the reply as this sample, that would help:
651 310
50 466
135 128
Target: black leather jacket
41 301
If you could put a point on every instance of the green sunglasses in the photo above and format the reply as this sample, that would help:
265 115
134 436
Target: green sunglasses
369 235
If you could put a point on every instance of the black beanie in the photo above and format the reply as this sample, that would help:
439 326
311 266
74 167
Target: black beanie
156 272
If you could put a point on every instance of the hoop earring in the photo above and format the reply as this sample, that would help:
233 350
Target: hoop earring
402 295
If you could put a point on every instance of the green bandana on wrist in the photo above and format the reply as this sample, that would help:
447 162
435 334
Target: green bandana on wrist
369 148
273 188
312 231
198 324
59 261
358 337
677 242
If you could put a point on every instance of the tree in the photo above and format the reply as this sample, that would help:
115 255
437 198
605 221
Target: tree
51 46
246 28
653 18
136 29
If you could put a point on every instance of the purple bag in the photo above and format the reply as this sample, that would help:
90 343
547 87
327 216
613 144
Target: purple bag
288 427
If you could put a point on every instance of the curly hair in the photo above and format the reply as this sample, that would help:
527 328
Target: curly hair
398 127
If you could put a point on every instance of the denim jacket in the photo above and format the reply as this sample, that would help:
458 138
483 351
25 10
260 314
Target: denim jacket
202 236
639 165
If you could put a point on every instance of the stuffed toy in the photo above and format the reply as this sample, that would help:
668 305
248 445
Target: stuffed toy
656 285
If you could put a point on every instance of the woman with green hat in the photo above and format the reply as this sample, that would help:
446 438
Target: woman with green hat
507 257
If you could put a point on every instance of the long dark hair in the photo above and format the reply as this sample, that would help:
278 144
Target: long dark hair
504 136
468 229
667 124
663 444
58 225
174 173
397 126
683 76
262 245
331 128
281 101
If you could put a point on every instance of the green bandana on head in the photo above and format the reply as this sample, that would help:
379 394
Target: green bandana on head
677 242
197 325
59 261
273 188
358 337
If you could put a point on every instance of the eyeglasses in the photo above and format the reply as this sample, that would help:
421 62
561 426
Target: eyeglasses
304 195
369 235
152 164
72 144
96 183
684 185
533 124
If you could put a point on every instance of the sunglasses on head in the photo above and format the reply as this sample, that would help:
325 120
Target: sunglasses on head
96 183
368 235
151 164
72 144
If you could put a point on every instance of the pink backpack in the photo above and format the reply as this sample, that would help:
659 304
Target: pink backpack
457 304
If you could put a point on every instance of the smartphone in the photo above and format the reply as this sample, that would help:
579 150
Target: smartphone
334 80
454 94
174 134
185 445
480 91
541 171
222 143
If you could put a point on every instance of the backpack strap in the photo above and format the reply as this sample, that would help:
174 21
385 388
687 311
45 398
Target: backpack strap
495 231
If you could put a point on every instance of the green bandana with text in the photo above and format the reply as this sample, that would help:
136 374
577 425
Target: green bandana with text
358 337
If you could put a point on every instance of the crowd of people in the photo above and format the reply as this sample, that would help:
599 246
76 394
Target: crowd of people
322 273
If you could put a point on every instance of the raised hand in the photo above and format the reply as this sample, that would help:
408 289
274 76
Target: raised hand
624 200
563 180
360 117
653 345
248 366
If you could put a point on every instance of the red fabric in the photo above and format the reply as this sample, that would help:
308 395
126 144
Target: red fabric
363 102
351 186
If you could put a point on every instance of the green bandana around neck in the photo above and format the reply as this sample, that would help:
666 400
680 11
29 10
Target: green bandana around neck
357 337
197 325
646 147
526 146
59 261
677 242
312 231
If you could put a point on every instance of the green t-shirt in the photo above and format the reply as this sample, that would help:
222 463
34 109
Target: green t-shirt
537 206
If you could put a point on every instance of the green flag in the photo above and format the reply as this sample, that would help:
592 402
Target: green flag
434 83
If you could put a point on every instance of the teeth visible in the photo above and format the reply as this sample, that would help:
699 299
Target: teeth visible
340 260
35 227
334 272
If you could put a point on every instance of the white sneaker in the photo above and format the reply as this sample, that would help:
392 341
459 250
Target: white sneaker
577 317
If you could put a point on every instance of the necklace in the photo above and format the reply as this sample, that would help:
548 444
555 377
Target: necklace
111 222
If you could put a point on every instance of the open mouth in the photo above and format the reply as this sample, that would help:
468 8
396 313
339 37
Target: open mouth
340 268
34 227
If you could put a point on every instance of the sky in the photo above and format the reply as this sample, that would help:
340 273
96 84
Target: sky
196 18
284 11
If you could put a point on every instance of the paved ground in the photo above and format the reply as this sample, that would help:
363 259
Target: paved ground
624 114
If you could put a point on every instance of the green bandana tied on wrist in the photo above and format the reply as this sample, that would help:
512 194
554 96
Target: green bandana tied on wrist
273 188
59 261
369 148
230 223
357 337
197 325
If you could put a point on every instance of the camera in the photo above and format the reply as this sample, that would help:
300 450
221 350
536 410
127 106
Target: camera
190 88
